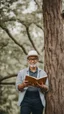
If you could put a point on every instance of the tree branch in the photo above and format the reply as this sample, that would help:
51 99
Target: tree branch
7 77
27 30
5 83
9 34
39 27
37 3
43 49
40 61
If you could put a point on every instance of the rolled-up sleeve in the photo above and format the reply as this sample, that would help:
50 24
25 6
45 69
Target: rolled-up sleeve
19 79
47 81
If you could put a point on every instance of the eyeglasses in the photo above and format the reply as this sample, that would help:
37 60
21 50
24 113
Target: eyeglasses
30 59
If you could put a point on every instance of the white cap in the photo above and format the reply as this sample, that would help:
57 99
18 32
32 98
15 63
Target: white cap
32 53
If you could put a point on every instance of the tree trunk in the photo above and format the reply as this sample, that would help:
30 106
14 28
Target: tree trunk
54 55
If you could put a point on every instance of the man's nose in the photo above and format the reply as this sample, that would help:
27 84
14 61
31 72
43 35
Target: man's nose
32 60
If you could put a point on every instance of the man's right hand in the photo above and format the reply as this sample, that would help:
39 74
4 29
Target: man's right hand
23 85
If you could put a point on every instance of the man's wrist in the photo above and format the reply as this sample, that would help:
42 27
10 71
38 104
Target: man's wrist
23 85
44 88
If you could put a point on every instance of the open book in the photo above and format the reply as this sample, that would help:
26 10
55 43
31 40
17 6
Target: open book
34 80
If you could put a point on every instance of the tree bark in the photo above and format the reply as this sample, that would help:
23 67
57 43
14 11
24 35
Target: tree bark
54 55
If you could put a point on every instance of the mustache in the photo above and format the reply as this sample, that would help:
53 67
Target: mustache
33 65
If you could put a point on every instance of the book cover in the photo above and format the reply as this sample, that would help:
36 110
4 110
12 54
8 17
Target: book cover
34 80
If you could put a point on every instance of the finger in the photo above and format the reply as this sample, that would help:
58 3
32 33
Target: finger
26 81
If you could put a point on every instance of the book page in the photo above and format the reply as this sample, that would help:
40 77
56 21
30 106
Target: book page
34 80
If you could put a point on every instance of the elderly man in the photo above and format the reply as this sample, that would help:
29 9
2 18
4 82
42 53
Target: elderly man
31 97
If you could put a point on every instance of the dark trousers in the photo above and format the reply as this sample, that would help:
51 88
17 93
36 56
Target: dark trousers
31 103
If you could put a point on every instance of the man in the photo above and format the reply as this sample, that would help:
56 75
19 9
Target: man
31 97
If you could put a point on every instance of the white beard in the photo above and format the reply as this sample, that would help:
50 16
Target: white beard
33 65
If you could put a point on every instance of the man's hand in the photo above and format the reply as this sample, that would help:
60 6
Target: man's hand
26 83
42 86
23 85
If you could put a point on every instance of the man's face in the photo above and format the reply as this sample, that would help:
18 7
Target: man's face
32 60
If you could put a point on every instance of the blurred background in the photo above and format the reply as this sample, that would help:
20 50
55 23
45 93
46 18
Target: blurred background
21 29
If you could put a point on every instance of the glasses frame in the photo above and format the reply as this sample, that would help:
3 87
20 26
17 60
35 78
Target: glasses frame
30 59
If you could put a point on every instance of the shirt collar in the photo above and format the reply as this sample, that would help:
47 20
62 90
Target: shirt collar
37 67
38 75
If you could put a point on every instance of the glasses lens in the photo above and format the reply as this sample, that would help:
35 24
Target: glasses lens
32 59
